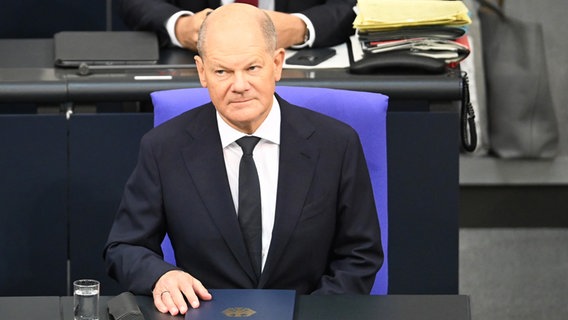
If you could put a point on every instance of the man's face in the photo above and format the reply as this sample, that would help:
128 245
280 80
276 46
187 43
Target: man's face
241 75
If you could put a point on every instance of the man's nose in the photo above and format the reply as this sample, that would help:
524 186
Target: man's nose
240 82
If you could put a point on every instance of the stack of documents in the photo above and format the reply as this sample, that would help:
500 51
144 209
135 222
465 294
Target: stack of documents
388 14
430 28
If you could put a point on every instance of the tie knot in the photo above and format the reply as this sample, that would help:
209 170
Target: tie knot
248 143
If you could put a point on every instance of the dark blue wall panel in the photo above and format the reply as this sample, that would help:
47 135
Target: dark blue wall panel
42 18
33 210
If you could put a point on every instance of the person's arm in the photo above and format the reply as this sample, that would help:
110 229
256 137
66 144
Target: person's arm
133 254
332 21
357 253
152 15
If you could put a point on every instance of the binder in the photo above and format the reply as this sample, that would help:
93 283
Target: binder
254 304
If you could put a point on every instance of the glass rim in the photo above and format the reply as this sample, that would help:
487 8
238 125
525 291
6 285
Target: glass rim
86 282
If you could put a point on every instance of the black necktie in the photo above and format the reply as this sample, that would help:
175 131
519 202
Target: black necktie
249 202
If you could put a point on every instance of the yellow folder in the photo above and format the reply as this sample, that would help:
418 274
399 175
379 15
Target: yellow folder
388 14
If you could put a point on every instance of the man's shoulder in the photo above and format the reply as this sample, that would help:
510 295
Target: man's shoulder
176 125
315 118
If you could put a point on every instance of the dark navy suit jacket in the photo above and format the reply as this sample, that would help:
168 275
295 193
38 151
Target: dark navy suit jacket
332 19
326 236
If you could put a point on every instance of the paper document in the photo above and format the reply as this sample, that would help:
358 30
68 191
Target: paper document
388 14
448 50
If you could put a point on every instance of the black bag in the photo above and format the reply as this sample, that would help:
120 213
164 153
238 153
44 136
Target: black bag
522 121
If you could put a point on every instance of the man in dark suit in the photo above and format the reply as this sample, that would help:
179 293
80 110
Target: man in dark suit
320 233
299 23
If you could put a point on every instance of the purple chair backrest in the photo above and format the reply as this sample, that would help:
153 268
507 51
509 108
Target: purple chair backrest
364 111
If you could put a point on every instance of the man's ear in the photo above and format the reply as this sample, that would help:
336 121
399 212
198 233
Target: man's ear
201 71
279 56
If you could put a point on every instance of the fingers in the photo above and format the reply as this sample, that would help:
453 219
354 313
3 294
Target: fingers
171 288
204 12
197 291
159 300
176 303
201 291
191 297
165 290
187 28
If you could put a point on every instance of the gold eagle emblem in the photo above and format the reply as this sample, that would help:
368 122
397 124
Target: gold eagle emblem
238 312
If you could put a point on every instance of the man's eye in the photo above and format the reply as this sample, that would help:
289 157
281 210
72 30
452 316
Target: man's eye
252 68
220 72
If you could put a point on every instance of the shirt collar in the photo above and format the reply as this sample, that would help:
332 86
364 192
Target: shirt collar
268 130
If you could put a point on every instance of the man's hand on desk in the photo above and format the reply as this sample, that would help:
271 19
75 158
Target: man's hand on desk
187 29
171 288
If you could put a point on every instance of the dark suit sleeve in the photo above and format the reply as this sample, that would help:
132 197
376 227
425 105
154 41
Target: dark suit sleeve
151 15
332 20
357 254
133 254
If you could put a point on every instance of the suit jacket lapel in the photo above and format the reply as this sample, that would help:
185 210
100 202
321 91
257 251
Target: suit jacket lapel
204 161
298 158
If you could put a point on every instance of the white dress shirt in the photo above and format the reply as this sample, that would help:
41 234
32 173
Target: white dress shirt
262 4
266 157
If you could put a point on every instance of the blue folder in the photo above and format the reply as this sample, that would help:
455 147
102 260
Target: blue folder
252 304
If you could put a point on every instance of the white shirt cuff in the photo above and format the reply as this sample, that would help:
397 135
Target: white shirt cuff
311 31
171 26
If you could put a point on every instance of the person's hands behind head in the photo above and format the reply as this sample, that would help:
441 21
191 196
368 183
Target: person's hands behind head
187 29
171 288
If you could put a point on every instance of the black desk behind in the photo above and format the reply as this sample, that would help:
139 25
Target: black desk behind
27 75
422 157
